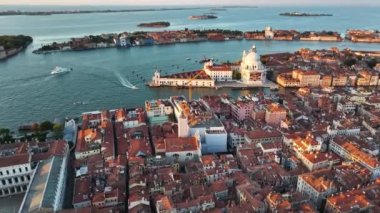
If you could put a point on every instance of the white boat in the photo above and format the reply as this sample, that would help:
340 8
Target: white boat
60 70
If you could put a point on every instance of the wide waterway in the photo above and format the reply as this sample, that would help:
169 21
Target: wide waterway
29 93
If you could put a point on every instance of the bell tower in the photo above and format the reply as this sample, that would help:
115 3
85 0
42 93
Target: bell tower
183 126
156 78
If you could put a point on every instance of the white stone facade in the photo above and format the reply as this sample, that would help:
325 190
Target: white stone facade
180 82
14 179
251 69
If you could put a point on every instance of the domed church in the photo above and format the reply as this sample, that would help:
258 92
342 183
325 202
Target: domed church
251 69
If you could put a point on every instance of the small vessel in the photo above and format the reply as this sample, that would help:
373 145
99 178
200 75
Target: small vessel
60 70
79 103
205 59
188 59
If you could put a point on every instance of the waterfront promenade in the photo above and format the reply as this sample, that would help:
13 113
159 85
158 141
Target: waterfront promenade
240 85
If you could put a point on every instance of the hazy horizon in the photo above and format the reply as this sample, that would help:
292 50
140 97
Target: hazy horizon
193 2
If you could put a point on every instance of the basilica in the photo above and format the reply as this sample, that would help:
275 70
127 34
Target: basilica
251 69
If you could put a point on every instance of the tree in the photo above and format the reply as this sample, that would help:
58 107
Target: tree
46 126
58 131
236 75
5 136
371 63
4 131
350 61
35 127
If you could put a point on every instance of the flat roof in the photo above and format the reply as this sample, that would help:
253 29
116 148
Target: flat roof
42 190
35 194
207 123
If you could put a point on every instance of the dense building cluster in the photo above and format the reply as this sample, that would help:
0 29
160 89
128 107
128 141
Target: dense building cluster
304 150
324 68
292 35
312 148
355 35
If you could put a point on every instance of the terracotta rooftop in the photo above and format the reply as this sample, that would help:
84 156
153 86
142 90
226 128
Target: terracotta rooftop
317 157
258 134
81 190
219 68
14 160
181 144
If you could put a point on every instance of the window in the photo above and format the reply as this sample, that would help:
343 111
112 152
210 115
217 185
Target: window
26 168
7 172
20 170
14 171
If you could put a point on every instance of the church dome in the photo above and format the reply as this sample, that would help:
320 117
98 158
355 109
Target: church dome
252 58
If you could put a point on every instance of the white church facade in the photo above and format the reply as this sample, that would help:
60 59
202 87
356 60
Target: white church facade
252 70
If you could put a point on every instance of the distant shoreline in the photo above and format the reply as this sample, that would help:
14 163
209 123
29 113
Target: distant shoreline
203 17
147 38
297 14
12 45
157 24
58 12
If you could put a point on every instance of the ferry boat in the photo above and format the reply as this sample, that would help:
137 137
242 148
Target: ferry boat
60 70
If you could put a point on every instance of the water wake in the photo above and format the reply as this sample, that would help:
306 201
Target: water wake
124 82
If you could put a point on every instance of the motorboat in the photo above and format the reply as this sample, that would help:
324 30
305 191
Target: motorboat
60 70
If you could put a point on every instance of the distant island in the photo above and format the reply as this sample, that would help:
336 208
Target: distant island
297 14
53 12
218 9
202 17
11 45
155 24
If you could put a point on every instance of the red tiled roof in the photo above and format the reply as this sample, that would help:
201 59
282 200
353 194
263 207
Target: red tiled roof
257 134
14 160
181 144
219 68
81 190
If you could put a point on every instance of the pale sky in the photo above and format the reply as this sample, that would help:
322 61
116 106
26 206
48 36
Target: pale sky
190 2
